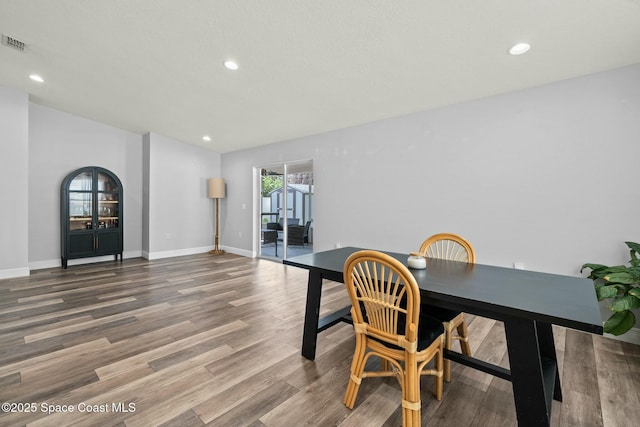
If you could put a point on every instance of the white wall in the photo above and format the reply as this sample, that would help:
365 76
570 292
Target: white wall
544 176
180 215
14 176
60 143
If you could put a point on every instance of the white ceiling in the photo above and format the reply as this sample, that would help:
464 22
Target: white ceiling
306 66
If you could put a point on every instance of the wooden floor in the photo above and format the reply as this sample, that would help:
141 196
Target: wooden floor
215 340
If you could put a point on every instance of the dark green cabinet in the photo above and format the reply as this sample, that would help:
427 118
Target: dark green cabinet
91 214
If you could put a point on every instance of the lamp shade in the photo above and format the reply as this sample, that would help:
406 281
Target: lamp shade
216 188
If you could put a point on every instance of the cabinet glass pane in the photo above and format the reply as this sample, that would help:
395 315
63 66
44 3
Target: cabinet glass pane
108 203
105 183
80 210
82 182
108 210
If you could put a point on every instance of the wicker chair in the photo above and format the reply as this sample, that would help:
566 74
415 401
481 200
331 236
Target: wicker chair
385 306
299 234
452 247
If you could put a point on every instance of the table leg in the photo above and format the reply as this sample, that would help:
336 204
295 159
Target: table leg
548 351
527 373
311 315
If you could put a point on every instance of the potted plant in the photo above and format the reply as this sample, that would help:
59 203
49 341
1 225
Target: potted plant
620 284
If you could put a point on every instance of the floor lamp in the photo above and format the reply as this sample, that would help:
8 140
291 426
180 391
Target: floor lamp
216 191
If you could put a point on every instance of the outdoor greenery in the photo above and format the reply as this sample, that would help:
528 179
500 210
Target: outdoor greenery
620 284
270 183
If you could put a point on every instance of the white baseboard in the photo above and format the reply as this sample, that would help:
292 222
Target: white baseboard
14 272
241 252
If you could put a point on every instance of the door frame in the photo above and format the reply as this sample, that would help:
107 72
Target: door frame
257 202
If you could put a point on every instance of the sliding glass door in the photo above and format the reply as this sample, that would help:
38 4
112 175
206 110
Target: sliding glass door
285 210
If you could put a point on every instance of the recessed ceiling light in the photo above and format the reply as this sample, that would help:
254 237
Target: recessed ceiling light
36 78
206 138
231 65
519 49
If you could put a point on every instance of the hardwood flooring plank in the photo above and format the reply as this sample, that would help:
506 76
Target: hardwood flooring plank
149 394
250 410
581 403
375 410
14 350
53 358
618 392
492 350
35 286
187 418
87 325
632 356
497 407
121 367
319 404
9 379
24 307
57 315
255 357
578 410
226 399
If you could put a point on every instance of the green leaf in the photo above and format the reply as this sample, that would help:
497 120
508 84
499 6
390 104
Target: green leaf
605 292
635 247
600 271
617 269
623 277
634 269
594 267
609 270
628 302
635 292
620 322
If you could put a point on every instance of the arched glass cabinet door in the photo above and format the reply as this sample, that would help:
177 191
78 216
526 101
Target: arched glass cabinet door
91 214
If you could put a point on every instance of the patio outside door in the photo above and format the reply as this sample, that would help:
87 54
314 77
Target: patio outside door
286 210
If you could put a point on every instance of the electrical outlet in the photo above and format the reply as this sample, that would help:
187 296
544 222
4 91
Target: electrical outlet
167 236
518 265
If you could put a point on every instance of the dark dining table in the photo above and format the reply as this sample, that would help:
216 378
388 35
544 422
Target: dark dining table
527 302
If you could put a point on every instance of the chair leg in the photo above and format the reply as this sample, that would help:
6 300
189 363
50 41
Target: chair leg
439 362
411 407
357 368
448 344
464 340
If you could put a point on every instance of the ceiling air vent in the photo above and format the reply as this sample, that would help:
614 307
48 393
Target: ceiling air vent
13 43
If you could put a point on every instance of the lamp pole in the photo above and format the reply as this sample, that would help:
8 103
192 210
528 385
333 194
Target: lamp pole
217 191
216 249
